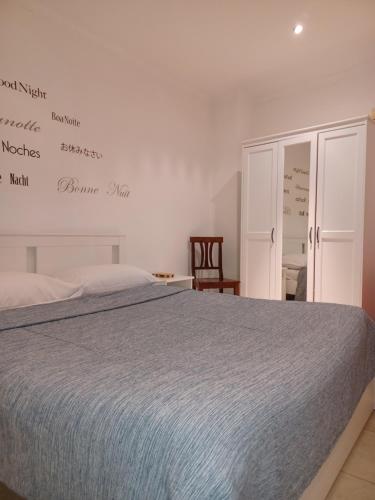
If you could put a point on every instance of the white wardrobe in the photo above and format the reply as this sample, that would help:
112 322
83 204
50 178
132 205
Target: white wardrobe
329 209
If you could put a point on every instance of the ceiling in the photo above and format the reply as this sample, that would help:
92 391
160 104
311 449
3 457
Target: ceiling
219 45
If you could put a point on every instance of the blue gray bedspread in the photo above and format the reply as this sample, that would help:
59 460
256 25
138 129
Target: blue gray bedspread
163 393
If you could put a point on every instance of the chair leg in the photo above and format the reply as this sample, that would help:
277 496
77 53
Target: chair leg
221 290
236 289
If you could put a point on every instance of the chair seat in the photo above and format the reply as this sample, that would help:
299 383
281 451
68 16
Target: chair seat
214 283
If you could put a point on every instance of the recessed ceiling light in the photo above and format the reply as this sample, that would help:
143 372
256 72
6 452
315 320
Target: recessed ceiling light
298 28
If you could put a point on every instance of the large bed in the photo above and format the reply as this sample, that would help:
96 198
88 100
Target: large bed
157 392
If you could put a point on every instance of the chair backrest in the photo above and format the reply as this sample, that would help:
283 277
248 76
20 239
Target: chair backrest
206 247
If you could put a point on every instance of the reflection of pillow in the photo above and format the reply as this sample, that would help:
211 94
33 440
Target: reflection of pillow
26 289
105 278
295 261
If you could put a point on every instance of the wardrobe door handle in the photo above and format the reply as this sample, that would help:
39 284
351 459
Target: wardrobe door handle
318 235
310 235
272 233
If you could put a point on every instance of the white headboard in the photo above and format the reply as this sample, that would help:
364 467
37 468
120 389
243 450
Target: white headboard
46 253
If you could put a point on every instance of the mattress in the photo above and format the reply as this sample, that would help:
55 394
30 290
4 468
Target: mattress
292 274
291 286
164 393
296 282
291 280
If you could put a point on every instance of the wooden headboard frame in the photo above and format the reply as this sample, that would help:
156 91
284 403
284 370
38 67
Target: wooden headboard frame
44 253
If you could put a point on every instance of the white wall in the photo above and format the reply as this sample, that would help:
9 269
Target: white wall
230 122
240 116
337 97
180 157
155 137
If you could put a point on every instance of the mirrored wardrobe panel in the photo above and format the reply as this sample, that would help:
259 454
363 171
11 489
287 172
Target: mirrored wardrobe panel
296 218
295 221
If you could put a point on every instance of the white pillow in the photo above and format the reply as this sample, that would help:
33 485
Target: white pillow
26 289
105 278
295 261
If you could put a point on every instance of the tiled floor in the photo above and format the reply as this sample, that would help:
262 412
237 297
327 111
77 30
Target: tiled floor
356 480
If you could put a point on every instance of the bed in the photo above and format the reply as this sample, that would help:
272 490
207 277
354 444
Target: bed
295 276
163 393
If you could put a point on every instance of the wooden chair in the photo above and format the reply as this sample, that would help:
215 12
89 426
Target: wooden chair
206 246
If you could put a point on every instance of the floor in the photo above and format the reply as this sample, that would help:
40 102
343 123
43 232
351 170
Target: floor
5 494
356 480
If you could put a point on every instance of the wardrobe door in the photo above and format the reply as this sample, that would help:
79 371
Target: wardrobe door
258 248
339 216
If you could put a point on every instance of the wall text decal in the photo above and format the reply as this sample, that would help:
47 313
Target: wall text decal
29 125
296 195
19 180
19 150
65 119
35 93
67 184
81 151
287 210
72 185
300 171
301 188
120 190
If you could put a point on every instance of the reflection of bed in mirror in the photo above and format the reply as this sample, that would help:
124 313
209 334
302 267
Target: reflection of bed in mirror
294 263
